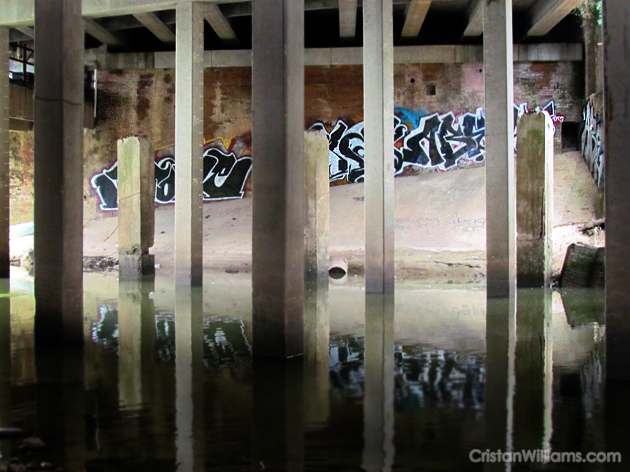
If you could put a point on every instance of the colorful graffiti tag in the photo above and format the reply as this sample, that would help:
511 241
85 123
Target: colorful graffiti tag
225 172
592 142
421 141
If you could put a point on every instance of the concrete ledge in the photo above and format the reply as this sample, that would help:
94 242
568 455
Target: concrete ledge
449 54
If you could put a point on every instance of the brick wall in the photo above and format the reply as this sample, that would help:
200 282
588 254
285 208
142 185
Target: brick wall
142 102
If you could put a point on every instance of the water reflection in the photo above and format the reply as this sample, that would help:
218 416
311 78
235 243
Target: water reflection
189 403
169 383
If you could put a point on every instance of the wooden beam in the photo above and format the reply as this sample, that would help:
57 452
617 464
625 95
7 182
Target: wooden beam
475 19
348 18
220 25
416 13
545 14
103 35
156 26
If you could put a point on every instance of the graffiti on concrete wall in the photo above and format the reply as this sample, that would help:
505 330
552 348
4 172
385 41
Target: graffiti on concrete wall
421 141
592 142
226 167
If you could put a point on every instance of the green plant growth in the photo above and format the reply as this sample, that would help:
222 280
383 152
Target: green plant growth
590 11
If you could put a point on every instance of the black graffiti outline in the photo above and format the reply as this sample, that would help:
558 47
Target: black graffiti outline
224 177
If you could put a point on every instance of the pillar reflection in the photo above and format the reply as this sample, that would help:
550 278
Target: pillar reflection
500 353
189 379
533 370
136 342
5 362
60 404
278 425
378 409
316 351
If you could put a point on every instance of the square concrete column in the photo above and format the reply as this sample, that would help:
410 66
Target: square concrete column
59 171
534 200
317 189
136 207
189 144
278 207
5 365
378 106
4 154
617 124
500 180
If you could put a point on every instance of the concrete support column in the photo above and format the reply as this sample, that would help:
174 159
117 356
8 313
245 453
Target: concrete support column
59 171
500 180
4 155
533 371
534 207
500 378
316 315
378 404
136 207
189 144
617 124
278 207
378 106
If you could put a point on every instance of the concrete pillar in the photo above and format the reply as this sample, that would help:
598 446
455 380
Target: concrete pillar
500 180
278 206
534 197
378 110
378 403
499 388
317 189
617 120
189 398
4 155
533 370
136 343
617 123
278 412
136 207
59 171
189 144
592 36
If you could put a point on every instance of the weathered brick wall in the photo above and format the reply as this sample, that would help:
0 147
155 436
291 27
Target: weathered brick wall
142 102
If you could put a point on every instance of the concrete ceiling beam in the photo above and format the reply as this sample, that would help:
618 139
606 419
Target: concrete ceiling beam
156 26
22 12
219 23
27 30
416 14
102 34
475 19
348 19
544 15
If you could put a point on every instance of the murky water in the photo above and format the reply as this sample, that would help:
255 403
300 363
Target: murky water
166 380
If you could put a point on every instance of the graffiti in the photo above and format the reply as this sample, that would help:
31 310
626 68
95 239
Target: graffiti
435 141
422 377
592 142
225 342
225 173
